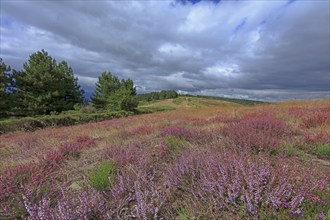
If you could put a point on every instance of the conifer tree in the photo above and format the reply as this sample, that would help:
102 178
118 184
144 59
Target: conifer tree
45 86
114 94
5 86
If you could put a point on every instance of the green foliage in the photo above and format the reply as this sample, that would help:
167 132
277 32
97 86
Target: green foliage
323 150
129 103
178 100
292 150
105 87
183 214
63 119
45 86
102 176
175 144
77 107
88 109
114 94
164 94
5 86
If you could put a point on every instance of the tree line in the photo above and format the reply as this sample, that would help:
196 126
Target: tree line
45 86
164 94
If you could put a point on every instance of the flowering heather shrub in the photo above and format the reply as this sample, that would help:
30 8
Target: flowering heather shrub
316 119
73 148
40 176
298 112
27 141
233 183
184 171
312 116
260 133
51 159
321 137
85 205
85 141
136 195
199 122
162 149
121 155
176 131
63 134
223 119
149 198
191 135
226 183
142 130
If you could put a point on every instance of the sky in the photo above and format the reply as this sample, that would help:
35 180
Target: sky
255 49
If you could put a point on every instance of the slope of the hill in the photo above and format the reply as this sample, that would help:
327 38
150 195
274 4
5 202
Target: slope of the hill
183 102
206 161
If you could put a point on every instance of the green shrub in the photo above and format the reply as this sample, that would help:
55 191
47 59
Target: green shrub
102 176
77 107
175 144
293 151
64 119
178 101
164 108
323 150
183 214
88 109
144 110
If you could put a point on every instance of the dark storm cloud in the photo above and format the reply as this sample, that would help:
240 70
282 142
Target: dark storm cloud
256 49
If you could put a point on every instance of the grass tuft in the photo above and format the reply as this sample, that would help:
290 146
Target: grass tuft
175 144
183 214
102 176
323 150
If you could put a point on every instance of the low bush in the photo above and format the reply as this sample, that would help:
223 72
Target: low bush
323 150
178 101
102 176
292 150
258 133
175 144
65 119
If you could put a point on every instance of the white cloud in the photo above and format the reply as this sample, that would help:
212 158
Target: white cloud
173 49
223 71
86 80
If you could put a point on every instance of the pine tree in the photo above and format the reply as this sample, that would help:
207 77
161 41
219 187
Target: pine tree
5 86
114 94
105 87
45 86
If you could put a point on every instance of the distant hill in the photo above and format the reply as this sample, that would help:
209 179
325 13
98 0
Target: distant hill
186 102
234 100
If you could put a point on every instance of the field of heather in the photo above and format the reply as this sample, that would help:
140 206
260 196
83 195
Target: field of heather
214 162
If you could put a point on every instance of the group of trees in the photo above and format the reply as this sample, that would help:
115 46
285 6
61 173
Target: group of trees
165 94
45 86
42 87
113 93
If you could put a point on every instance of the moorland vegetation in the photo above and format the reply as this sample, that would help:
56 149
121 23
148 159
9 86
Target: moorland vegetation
225 161
208 158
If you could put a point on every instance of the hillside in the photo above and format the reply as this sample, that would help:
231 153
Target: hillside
184 102
207 159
